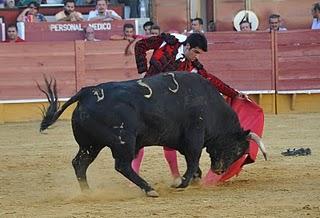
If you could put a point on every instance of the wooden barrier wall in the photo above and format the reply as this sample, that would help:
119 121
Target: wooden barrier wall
23 64
297 71
74 64
243 60
298 56
259 63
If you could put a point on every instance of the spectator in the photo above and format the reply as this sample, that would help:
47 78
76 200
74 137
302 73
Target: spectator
316 16
275 23
12 34
102 12
128 33
155 30
89 34
69 13
147 27
196 25
211 26
245 26
10 4
31 14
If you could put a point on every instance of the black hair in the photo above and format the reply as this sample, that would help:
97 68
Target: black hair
67 1
316 7
36 4
245 21
155 27
197 40
96 1
128 25
274 16
12 25
198 19
148 23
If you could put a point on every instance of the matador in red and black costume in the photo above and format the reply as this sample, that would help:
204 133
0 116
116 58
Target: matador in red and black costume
169 55
175 52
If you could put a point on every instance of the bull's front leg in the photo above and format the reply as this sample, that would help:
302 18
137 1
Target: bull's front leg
124 167
187 177
192 159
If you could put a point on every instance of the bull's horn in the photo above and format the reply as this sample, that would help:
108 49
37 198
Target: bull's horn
175 82
141 83
258 140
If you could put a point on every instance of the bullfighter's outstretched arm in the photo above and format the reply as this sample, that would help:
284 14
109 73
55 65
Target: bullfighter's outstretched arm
215 81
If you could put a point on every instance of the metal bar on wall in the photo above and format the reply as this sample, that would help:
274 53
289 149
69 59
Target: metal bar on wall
274 48
79 48
248 5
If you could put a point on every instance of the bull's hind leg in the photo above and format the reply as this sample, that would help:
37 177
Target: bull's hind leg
88 151
86 155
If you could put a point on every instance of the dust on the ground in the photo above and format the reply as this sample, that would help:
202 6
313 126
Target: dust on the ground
37 178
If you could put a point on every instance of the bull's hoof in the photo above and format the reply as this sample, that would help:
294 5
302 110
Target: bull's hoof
196 180
152 193
176 182
197 175
84 186
86 192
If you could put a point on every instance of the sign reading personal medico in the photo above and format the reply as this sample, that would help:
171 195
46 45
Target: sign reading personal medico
58 27
68 31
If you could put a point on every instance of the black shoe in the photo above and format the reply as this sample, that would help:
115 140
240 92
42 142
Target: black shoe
297 152
308 151
289 152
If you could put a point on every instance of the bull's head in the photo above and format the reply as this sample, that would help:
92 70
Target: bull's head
224 151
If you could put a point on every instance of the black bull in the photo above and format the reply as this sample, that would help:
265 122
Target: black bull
179 110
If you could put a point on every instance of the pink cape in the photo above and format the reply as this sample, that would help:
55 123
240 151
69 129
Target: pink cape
251 117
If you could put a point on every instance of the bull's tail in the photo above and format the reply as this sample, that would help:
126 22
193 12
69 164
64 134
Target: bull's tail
53 112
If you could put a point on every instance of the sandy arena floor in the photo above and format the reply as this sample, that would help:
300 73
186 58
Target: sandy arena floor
37 179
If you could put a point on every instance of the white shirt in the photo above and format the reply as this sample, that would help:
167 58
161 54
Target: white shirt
315 24
192 31
107 14
280 29
94 40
